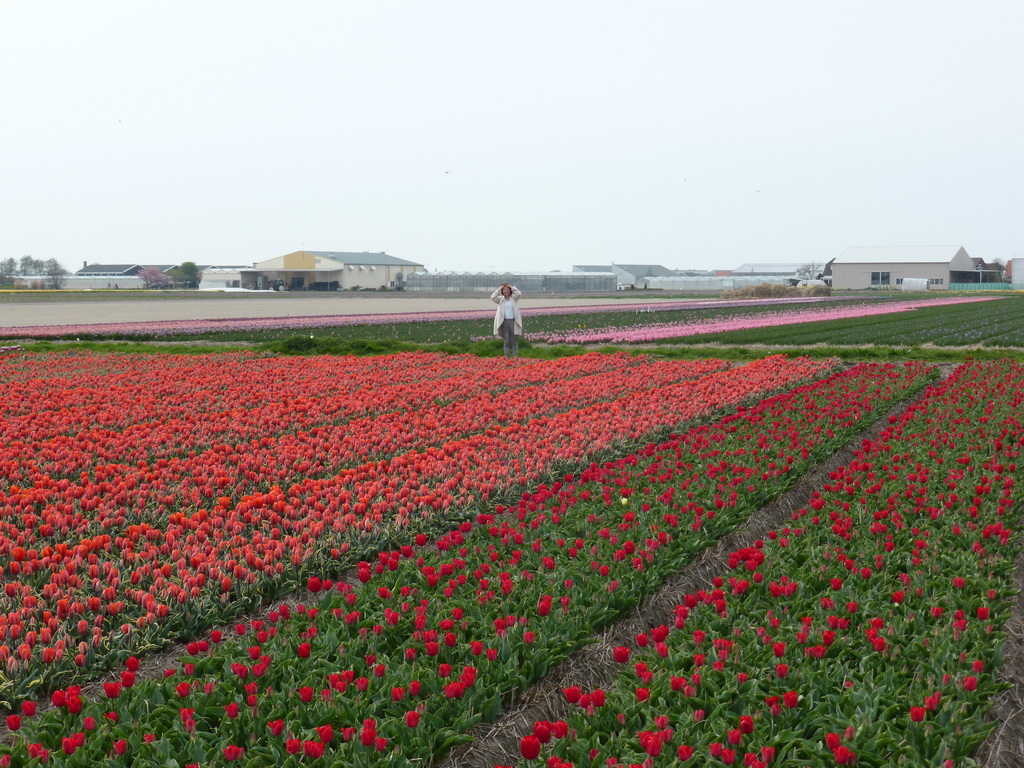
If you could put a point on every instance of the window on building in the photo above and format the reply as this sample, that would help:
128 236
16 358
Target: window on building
936 281
899 281
879 278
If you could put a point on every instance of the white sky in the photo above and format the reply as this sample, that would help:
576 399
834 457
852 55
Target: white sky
526 135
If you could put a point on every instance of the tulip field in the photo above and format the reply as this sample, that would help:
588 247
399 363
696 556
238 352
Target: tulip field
365 558
881 319
866 632
787 317
433 325
148 501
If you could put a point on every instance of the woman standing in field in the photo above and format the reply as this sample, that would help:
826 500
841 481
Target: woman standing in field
508 323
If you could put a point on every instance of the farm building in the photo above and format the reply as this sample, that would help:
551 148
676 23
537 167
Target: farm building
316 271
885 267
627 275
638 275
527 282
110 275
657 277
1015 272
713 283
107 276
743 276
102 276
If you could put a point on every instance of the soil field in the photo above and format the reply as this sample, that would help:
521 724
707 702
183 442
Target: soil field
119 310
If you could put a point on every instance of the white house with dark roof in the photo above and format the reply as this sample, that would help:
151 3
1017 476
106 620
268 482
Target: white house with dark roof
106 276
101 276
885 267
110 270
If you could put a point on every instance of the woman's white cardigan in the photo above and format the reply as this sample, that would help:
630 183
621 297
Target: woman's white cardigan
499 315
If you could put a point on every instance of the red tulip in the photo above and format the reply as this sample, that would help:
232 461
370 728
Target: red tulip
529 747
542 731
312 749
844 756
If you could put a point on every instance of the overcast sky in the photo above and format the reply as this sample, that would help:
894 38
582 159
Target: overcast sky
521 136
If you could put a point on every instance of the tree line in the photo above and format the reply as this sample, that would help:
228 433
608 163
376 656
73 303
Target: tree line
27 266
186 275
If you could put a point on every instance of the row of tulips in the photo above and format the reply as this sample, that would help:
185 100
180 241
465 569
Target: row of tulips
867 633
431 638
651 332
90 576
125 409
155 452
330 448
162 328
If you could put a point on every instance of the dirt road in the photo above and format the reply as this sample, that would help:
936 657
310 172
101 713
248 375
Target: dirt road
51 312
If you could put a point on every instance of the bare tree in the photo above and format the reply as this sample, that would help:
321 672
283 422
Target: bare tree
56 275
809 271
29 267
8 270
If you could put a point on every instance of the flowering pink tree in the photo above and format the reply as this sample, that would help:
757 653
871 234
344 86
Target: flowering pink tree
154 278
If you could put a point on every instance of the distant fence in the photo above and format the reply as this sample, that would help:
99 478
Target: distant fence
983 287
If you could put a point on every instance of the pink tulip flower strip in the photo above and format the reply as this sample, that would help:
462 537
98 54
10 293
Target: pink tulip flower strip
170 327
657 331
